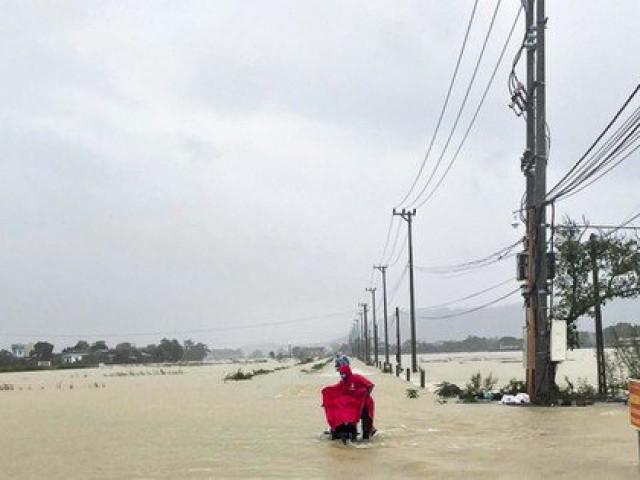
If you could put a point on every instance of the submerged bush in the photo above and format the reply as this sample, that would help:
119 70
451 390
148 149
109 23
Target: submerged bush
412 392
239 375
448 390
514 387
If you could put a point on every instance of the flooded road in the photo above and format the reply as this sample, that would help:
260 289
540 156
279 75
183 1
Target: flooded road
458 367
95 424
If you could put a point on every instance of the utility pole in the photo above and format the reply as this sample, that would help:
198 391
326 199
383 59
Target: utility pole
398 345
367 357
407 216
602 378
544 368
527 166
374 324
383 270
356 326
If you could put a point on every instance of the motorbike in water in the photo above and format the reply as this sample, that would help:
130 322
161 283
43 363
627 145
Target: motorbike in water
343 412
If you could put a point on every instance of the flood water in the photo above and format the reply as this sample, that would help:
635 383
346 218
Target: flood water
458 367
90 424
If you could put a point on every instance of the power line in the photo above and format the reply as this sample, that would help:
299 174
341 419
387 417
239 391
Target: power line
396 287
471 310
462 105
467 297
444 105
606 171
179 332
395 243
595 142
475 115
494 257
386 242
400 252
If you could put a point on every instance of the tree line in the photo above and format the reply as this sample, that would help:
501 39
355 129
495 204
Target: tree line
470 344
87 354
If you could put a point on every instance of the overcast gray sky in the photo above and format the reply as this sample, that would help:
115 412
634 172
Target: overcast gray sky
177 166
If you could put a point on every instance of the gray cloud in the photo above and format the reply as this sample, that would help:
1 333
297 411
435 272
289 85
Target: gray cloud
200 165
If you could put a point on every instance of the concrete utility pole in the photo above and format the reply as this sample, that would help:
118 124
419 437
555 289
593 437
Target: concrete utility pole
527 166
374 323
367 356
398 345
383 270
544 368
407 216
356 340
602 378
361 338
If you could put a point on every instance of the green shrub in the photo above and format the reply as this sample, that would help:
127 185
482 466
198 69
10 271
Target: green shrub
448 390
514 387
239 375
490 382
412 392
585 390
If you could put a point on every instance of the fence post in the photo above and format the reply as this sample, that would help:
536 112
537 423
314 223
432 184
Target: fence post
408 374
422 378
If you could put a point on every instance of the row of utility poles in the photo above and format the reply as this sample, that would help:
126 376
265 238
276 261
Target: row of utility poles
361 338
541 357
540 365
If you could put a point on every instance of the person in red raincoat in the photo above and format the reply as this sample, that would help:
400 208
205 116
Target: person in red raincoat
360 388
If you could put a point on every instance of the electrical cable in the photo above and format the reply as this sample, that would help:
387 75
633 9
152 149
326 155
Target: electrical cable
595 142
400 252
386 242
475 115
471 310
444 105
396 288
395 244
494 257
462 105
467 297
181 332
599 160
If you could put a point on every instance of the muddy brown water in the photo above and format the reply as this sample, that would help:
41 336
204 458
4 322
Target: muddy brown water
194 425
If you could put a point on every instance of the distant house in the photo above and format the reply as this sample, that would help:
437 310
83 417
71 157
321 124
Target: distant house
73 357
511 343
21 350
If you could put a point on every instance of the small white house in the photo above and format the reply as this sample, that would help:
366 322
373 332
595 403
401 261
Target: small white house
73 357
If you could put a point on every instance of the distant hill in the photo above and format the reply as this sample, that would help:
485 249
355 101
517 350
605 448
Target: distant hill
499 321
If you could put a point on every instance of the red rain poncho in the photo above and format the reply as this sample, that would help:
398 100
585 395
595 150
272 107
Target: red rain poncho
344 401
